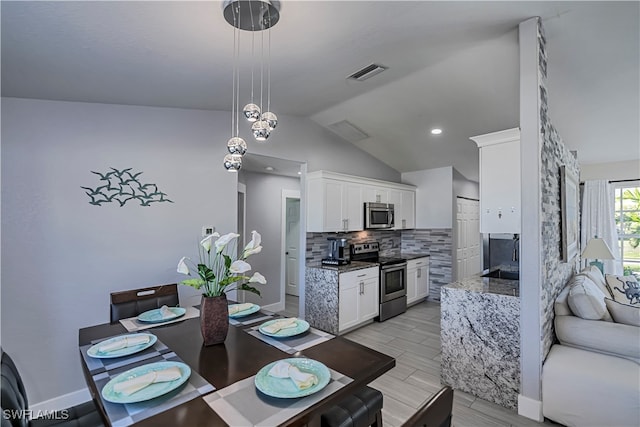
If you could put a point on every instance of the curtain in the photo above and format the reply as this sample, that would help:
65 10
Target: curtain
598 219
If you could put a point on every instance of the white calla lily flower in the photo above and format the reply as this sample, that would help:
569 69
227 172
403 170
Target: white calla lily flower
239 267
208 241
182 266
258 278
223 241
256 239
252 251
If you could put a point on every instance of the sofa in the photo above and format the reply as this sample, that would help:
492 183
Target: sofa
591 376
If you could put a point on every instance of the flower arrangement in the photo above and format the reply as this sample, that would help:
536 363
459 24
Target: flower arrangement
217 270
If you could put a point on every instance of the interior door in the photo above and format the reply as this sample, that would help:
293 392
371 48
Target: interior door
292 237
468 241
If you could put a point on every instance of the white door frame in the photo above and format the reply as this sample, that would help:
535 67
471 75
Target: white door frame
287 194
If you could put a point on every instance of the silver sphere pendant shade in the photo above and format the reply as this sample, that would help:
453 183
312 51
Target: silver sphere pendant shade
271 119
260 130
251 112
237 145
233 162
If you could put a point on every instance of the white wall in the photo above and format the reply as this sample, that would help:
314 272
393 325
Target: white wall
462 187
434 196
61 256
264 214
629 169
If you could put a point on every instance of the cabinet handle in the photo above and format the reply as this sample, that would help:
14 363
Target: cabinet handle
404 223
378 198
361 288
419 273
346 224
361 275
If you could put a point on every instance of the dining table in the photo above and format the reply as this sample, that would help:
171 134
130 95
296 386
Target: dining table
240 357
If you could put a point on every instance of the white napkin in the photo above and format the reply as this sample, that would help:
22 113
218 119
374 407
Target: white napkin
237 308
166 312
281 324
124 342
302 380
135 384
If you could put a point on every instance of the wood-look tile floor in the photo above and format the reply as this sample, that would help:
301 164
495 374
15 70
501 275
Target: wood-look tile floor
413 339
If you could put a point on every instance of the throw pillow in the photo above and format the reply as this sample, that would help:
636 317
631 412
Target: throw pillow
594 273
623 313
624 289
587 300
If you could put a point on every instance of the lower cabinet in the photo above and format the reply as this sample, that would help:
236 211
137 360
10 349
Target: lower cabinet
358 297
417 279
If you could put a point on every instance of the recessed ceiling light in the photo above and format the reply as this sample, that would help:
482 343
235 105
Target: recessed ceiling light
269 168
436 131
299 173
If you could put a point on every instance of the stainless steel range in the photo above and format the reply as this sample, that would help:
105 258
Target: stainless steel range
393 278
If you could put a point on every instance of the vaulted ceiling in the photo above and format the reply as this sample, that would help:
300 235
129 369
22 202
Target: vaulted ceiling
452 65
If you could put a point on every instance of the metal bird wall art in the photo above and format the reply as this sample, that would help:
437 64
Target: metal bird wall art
123 186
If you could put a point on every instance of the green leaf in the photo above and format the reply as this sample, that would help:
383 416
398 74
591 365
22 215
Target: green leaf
245 287
227 261
206 273
232 279
194 283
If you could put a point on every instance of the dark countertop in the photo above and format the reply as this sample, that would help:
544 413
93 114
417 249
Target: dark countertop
488 285
354 265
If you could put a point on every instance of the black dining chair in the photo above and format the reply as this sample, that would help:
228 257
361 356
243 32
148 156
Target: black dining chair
15 405
125 304
360 409
436 412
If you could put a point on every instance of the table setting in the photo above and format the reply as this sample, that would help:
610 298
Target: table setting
159 317
290 335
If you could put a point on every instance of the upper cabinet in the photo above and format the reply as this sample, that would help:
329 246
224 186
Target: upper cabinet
499 181
335 202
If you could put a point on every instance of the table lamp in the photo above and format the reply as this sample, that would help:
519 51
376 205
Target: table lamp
597 249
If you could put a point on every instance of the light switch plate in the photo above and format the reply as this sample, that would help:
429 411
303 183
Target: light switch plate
208 229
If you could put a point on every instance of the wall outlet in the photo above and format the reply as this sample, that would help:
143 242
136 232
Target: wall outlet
208 229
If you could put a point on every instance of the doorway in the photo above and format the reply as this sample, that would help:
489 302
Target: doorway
291 250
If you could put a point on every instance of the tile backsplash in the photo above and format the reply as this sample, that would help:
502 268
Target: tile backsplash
318 245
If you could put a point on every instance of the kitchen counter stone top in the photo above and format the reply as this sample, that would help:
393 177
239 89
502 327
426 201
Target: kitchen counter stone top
489 285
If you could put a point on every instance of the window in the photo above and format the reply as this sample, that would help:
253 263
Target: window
627 212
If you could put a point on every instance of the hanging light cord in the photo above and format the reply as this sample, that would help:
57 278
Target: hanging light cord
235 65
253 42
269 68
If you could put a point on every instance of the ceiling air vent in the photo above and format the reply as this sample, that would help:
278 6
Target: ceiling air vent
348 131
367 72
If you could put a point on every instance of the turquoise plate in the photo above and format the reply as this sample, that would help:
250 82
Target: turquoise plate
302 326
154 316
246 312
150 392
94 352
285 387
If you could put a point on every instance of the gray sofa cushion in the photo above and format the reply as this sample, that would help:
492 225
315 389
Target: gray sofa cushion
596 276
623 313
586 300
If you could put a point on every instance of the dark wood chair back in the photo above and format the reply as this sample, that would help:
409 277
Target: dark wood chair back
436 412
125 304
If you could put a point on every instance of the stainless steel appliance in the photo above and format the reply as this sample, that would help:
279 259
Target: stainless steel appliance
379 215
393 278
339 253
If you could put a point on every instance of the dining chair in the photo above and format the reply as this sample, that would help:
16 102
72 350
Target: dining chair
15 406
360 409
436 412
125 304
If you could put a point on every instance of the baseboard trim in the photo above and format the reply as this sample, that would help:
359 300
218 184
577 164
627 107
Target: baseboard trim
62 402
530 408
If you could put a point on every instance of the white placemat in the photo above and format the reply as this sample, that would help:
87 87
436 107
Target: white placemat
241 404
133 325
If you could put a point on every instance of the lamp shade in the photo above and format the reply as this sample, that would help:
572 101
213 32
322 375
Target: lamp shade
597 249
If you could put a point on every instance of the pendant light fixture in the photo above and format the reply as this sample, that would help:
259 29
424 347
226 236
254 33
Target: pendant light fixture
250 15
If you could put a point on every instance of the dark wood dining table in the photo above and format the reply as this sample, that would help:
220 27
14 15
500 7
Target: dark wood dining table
239 357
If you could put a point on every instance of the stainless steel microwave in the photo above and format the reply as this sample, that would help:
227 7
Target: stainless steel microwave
378 215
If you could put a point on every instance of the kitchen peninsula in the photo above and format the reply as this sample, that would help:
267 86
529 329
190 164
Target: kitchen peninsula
480 336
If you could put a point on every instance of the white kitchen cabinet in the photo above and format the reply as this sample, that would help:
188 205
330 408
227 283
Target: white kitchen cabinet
417 279
376 194
499 181
335 202
335 205
358 297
